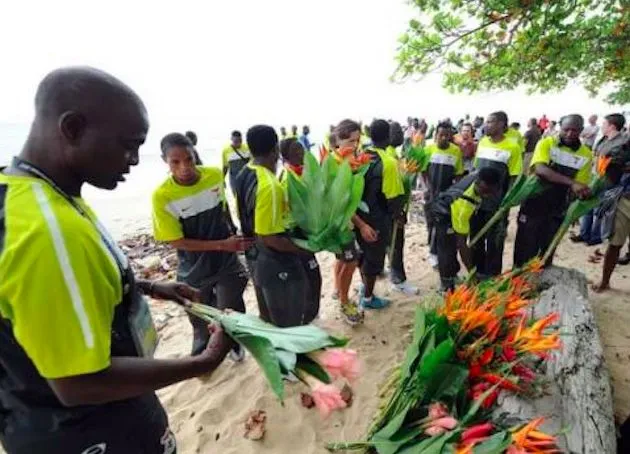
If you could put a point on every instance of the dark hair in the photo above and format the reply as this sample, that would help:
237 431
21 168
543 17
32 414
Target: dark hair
489 175
469 124
345 128
501 116
192 136
262 140
573 117
175 139
379 132
444 125
617 120
396 134
286 145
237 134
515 125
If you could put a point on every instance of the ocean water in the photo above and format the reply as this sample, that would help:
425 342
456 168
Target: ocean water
126 209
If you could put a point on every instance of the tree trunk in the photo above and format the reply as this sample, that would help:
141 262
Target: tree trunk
578 399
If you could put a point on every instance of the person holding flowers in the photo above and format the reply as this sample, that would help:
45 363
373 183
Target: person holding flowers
384 196
451 212
274 261
563 165
347 137
498 151
190 213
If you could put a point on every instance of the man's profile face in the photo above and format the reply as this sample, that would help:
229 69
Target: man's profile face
493 126
107 145
237 141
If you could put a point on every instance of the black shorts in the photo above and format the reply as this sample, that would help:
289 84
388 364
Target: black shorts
349 253
138 426
287 286
372 260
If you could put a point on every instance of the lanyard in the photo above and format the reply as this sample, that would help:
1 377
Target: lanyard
120 260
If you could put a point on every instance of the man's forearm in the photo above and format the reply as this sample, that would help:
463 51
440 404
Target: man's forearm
551 176
282 244
197 245
464 252
129 377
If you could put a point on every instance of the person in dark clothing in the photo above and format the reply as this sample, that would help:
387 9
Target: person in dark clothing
532 136
383 194
276 264
564 164
451 212
498 151
76 368
444 166
190 213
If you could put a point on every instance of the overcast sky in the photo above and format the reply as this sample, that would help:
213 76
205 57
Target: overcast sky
218 65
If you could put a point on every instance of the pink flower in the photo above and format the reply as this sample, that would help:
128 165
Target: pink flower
339 362
447 422
327 398
437 410
514 450
434 431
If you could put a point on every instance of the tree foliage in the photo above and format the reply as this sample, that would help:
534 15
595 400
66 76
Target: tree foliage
501 44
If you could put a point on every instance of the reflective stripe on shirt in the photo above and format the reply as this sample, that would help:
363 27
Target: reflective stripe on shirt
567 159
493 154
445 159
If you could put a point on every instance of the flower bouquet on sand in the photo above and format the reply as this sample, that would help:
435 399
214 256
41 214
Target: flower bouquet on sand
307 353
479 343
323 201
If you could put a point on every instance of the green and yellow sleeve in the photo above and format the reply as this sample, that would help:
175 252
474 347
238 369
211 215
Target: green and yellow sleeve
270 203
166 227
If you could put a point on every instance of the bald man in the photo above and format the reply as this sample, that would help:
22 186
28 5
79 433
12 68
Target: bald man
76 339
563 164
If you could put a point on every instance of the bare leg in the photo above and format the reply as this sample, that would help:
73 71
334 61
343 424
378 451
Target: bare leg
346 272
610 261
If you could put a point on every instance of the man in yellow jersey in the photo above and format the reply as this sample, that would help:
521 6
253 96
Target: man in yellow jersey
498 151
450 214
564 165
77 338
513 132
347 135
384 196
235 156
190 213
275 262
294 132
398 276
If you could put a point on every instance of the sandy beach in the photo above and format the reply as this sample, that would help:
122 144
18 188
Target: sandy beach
208 415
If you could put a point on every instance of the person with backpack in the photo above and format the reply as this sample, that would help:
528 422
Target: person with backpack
450 213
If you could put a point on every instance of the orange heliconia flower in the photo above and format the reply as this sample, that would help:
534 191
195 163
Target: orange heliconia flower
530 440
602 164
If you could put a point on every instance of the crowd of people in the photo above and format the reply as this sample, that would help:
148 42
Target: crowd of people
77 368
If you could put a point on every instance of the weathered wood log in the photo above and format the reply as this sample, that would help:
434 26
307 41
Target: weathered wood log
578 400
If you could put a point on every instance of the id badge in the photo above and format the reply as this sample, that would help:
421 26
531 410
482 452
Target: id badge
142 328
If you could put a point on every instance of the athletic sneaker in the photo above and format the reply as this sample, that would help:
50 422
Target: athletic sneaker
351 314
433 260
237 354
373 303
405 288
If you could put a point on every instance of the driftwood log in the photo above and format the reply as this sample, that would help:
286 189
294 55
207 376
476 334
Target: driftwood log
578 401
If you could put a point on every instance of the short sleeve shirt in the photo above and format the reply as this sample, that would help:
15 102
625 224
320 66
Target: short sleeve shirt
195 212
443 166
462 209
575 164
234 159
261 201
506 157
60 284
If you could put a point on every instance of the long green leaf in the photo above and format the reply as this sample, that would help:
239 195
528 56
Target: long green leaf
265 355
447 381
393 425
413 351
496 444
397 441
312 368
298 199
314 182
444 352
287 360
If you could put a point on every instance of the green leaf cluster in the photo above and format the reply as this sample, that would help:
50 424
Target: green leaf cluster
323 201
482 45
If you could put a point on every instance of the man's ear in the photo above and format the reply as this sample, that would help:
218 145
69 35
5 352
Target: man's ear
72 125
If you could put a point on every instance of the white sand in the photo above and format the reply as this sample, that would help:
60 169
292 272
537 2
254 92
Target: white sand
208 415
